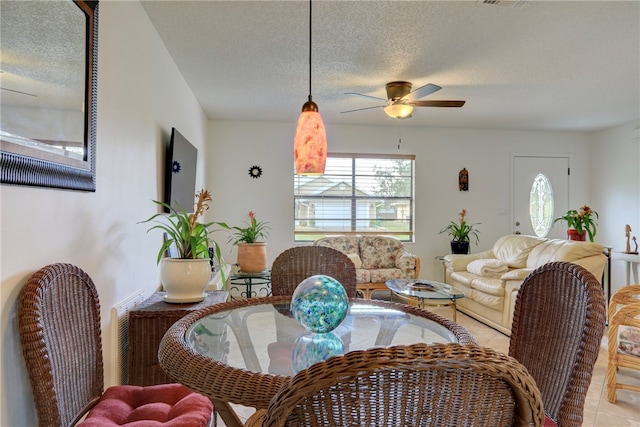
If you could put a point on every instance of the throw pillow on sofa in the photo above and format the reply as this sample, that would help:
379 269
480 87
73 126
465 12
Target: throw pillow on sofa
356 260
515 249
379 252
345 244
562 250
492 268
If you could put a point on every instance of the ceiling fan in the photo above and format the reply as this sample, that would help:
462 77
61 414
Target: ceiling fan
401 99
16 91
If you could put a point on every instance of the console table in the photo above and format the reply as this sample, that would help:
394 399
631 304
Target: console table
147 325
632 261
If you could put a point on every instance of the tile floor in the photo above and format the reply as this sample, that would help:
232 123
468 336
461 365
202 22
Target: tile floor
598 411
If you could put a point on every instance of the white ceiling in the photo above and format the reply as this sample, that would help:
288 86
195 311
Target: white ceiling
543 65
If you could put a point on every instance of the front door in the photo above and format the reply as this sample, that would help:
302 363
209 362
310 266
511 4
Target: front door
532 176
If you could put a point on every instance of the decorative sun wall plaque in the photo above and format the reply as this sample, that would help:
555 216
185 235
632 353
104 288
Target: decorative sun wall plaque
255 172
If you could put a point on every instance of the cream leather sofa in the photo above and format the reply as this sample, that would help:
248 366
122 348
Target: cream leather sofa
491 279
377 259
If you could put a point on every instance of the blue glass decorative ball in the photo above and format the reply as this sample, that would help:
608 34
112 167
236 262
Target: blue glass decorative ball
312 348
319 303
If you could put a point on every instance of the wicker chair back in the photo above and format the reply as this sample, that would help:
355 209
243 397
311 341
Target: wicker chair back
416 385
59 320
558 323
59 325
296 264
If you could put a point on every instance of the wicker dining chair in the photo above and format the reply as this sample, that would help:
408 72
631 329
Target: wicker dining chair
417 385
558 324
59 325
624 311
296 264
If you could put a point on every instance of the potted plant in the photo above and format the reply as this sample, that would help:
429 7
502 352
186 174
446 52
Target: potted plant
461 233
186 275
579 221
252 253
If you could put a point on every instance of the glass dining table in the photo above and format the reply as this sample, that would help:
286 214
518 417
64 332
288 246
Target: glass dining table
243 351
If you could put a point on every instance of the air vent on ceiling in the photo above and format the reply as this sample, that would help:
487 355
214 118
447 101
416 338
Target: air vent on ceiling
508 3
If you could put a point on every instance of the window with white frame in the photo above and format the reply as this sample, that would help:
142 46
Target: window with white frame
358 194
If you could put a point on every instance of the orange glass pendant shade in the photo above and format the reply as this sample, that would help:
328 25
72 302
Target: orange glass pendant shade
310 143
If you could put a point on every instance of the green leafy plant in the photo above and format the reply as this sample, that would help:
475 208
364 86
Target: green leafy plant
190 237
583 219
254 230
462 231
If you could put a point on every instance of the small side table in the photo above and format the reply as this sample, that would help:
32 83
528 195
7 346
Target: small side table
147 325
250 285
632 261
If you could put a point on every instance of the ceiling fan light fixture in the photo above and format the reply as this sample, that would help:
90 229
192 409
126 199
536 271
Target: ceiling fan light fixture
310 141
398 110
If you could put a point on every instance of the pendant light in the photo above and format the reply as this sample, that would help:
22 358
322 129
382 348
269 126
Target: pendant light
310 142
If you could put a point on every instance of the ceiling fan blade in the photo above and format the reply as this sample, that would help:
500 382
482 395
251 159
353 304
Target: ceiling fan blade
362 109
19 91
364 96
423 91
437 103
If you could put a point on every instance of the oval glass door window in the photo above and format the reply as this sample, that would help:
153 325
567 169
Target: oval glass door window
541 205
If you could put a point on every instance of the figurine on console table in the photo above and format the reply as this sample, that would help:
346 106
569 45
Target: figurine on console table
627 233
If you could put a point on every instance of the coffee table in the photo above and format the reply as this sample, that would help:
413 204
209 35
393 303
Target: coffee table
425 293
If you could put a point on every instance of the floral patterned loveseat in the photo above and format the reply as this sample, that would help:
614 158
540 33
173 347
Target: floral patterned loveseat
377 259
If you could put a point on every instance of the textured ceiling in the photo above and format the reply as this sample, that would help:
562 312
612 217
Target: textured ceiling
552 65
40 57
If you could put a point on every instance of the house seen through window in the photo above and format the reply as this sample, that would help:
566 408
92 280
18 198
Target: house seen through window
358 194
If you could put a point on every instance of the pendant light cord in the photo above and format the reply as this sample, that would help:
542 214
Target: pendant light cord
310 35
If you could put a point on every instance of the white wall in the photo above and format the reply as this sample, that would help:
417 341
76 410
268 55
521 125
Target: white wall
141 95
604 175
440 154
615 181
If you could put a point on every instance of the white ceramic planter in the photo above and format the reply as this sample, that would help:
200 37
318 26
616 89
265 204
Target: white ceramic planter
185 280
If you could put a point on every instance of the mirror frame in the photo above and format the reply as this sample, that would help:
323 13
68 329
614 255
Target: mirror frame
19 169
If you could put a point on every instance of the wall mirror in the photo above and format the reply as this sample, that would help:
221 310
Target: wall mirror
48 81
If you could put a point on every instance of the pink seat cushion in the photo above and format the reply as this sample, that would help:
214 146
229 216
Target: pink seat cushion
158 405
548 422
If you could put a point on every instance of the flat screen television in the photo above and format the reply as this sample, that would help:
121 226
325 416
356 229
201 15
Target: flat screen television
180 172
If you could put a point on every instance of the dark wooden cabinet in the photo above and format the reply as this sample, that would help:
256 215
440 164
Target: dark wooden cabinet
147 325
